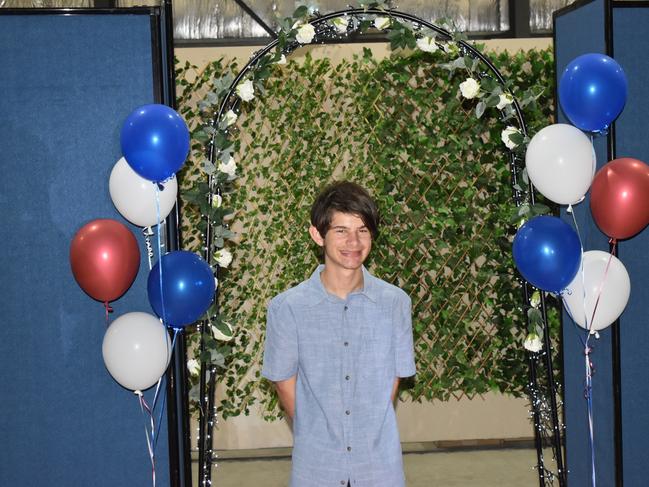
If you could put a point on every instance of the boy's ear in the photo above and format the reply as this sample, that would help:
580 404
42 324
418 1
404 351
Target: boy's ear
315 235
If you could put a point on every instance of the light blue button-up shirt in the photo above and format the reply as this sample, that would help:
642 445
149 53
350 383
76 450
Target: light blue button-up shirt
346 354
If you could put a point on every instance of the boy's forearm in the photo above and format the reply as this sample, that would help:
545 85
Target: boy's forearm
286 392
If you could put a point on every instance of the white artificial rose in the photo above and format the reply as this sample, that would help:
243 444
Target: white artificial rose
533 343
427 44
340 23
305 34
469 88
382 22
217 201
193 366
229 167
504 100
282 60
223 257
219 335
246 90
505 137
230 118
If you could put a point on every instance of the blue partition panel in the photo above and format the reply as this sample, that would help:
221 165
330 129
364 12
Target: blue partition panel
67 84
631 47
578 32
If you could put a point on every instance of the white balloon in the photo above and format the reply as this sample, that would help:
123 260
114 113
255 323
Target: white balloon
561 163
615 289
135 197
136 350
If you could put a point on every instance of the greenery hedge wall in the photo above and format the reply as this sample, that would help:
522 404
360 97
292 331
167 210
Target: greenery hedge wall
442 180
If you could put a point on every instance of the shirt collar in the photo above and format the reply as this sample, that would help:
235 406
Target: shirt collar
320 293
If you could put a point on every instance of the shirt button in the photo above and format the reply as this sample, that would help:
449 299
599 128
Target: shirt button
346 344
346 308
348 412
349 448
346 377
342 482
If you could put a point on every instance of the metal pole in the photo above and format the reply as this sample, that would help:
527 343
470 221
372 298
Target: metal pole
177 397
615 327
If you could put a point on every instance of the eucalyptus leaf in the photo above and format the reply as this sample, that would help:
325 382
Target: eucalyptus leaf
534 316
492 100
479 109
208 167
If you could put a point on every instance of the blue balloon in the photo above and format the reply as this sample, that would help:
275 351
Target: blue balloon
547 253
592 92
187 286
155 141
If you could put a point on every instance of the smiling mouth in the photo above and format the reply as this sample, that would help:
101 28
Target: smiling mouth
350 253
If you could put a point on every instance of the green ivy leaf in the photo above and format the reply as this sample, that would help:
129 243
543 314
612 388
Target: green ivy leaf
301 12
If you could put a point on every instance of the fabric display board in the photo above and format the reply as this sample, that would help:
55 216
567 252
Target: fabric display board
68 82
619 357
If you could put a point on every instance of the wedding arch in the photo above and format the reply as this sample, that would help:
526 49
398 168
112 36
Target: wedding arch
489 90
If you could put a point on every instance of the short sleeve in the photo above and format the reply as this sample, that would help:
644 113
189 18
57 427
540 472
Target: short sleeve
404 351
280 349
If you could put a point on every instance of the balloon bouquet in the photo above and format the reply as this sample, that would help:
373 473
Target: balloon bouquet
104 255
560 163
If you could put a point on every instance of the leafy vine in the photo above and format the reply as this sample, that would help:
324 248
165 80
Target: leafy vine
210 183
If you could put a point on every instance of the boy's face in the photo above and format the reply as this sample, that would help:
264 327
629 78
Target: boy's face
347 243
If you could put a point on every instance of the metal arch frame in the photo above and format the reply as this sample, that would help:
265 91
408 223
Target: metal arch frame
535 361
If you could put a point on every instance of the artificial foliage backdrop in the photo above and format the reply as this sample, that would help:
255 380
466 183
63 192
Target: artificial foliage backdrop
441 177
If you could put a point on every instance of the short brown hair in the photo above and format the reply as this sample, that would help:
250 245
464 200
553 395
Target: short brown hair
345 197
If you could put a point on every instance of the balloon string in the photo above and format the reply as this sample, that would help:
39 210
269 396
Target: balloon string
164 396
109 309
589 401
601 289
594 167
146 411
157 207
581 265
588 392
147 232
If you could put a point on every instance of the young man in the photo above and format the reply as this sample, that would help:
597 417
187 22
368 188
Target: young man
336 346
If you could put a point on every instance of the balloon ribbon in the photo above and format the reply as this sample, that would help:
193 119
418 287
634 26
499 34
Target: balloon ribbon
588 389
147 232
109 309
588 394
613 243
164 396
149 427
146 411
162 300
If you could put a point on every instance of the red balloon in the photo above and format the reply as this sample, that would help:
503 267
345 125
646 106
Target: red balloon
619 198
105 259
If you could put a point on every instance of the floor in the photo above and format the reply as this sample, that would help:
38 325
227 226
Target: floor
485 468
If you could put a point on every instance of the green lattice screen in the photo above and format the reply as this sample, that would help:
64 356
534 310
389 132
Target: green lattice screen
441 178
